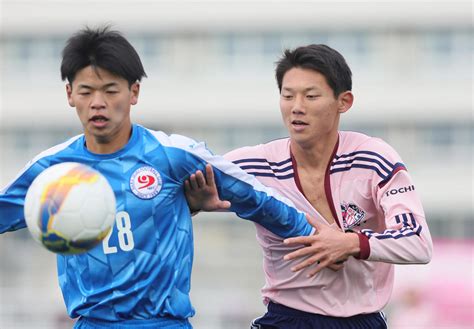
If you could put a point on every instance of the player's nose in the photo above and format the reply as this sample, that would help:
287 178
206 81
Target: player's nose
98 101
298 106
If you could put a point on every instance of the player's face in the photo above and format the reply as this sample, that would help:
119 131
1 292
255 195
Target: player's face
103 101
309 108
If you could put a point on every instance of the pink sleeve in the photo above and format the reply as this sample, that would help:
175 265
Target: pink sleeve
406 239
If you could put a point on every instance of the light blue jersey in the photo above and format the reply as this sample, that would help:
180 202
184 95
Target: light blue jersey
143 270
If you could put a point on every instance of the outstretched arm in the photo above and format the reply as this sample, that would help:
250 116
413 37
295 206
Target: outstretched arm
249 198
201 194
12 198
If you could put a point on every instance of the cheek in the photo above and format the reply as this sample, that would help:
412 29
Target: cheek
121 109
121 105
81 114
325 109
285 109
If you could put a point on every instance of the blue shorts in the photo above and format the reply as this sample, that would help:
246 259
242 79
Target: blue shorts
281 317
168 323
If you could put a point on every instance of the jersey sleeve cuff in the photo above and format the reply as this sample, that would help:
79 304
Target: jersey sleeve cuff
364 247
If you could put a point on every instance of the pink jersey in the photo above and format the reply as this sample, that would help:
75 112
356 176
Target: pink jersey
369 192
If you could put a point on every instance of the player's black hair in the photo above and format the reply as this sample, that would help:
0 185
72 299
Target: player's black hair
320 58
101 48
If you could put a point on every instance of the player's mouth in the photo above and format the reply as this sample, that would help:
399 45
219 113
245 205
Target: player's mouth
99 121
298 125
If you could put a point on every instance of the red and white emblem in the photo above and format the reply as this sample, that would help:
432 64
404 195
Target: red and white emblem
352 215
146 182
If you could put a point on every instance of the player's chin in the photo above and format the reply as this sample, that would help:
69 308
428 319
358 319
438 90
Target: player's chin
99 134
300 138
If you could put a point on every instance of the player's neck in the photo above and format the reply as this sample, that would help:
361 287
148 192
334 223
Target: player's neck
315 155
108 144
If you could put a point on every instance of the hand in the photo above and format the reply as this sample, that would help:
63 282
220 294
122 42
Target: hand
328 248
336 266
201 192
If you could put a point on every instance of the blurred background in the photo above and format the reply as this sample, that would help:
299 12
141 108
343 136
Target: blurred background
210 76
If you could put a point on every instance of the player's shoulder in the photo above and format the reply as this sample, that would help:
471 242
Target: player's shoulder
365 156
170 140
58 149
358 143
272 151
177 148
44 159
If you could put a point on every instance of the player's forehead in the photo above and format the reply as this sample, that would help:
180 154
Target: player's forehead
303 79
97 77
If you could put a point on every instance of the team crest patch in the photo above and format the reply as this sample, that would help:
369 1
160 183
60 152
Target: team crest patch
352 215
146 182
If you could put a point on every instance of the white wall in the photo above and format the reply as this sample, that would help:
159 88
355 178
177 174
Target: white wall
399 75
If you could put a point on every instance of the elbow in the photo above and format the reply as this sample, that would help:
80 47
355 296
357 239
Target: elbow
426 258
427 252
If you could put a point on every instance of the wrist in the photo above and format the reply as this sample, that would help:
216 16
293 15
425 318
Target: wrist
353 244
193 211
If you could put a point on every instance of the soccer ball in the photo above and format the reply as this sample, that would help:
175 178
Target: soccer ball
69 208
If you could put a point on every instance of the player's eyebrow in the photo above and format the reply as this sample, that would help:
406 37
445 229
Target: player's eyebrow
305 89
107 85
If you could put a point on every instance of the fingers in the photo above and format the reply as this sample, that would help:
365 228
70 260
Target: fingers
336 266
187 187
299 253
193 184
316 270
298 240
224 205
201 180
196 180
317 264
210 175
307 262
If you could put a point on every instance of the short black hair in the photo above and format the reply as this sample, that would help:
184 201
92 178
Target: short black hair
320 58
101 48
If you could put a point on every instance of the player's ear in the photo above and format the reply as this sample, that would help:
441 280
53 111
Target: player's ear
69 95
345 101
134 92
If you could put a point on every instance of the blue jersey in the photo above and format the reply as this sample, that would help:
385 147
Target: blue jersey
142 270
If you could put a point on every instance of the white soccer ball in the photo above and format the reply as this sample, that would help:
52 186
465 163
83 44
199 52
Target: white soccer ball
69 208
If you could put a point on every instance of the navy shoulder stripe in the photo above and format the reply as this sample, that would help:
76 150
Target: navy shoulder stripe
398 166
275 170
249 160
363 166
348 155
264 168
271 175
366 160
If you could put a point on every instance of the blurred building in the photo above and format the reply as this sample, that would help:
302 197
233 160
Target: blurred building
210 76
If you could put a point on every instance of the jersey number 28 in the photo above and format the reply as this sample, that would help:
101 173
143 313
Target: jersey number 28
124 234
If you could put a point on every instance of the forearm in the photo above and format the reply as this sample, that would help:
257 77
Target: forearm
275 215
352 243
411 244
11 215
